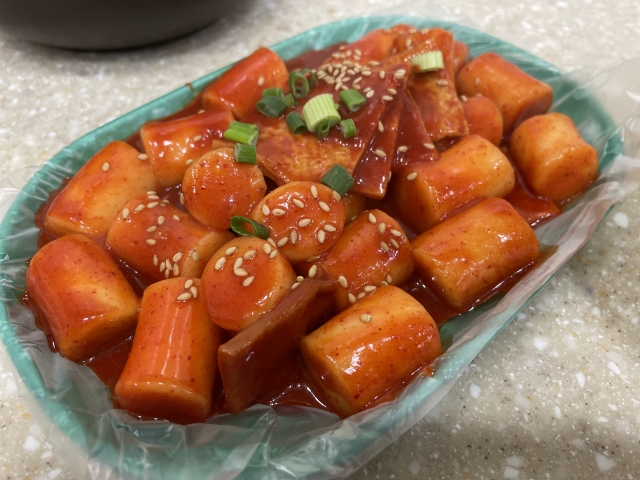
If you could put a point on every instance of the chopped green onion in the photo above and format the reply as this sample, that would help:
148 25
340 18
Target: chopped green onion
311 77
238 226
348 128
352 99
289 100
322 130
245 133
295 122
320 109
273 92
245 153
298 84
338 179
271 106
428 62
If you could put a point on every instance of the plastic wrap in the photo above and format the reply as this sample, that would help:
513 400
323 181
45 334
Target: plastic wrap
295 442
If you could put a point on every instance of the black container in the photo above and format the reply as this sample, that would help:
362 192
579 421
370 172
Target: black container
107 24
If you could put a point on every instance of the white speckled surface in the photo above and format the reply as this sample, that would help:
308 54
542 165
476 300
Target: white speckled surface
555 395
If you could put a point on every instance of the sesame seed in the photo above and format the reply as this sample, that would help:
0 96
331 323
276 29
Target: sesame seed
384 246
329 80
344 87
373 63
384 284
393 243
392 91
163 266
248 281
176 269
177 257
343 281
381 74
139 208
476 82
151 192
313 270
150 241
125 213
356 86
372 218
299 278
298 203
370 288
369 94
152 196
399 74
155 260
184 296
313 259
197 138
188 162
396 233
407 44
361 295
382 227
321 236
346 79
283 241
366 73
380 153
261 81
324 206
143 156
265 209
294 237
278 212
368 89
266 248
237 263
220 263
295 285
365 318
153 204
352 298
429 146
321 74
329 228
389 278
442 83
387 98
357 80
160 220
412 176
168 264
182 198
272 242
463 98
176 217
195 256
105 166
336 195
249 254
240 272
304 222
358 52
273 254
380 127
403 148
167 272
230 250
194 292
338 86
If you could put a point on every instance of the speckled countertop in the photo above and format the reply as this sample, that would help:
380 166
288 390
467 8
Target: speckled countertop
555 395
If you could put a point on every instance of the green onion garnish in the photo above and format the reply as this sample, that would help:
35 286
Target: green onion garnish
311 77
298 84
245 133
295 122
258 230
352 99
428 62
245 153
348 128
322 130
271 106
273 92
289 100
320 110
338 179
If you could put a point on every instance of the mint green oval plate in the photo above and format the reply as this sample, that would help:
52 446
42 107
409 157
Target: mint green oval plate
262 442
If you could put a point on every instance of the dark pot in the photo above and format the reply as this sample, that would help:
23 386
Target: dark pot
105 25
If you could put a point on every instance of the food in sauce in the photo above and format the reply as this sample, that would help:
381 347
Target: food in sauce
296 235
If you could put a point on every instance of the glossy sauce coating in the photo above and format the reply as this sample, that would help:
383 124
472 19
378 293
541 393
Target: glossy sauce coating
484 118
216 188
